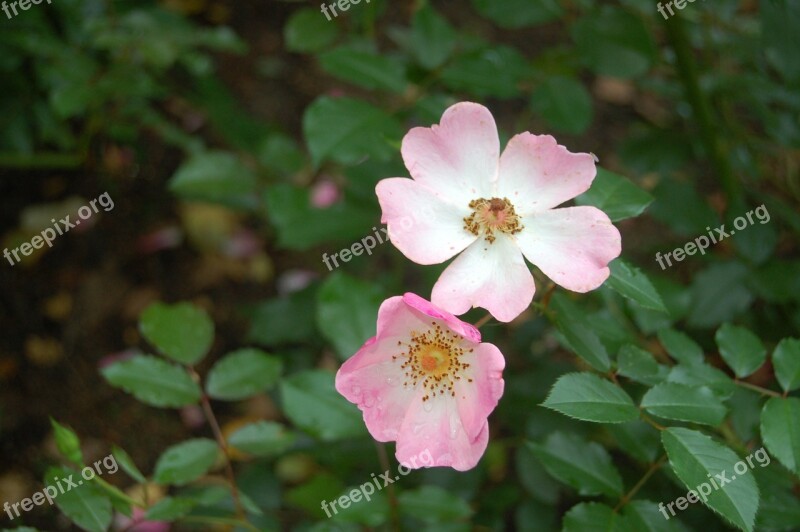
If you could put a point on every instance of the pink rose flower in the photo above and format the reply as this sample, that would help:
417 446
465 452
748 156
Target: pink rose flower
466 197
427 382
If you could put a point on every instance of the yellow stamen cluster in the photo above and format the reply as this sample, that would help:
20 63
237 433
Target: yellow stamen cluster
432 359
490 215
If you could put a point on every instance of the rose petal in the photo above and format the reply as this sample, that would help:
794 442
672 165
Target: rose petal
492 276
456 159
572 246
422 226
537 174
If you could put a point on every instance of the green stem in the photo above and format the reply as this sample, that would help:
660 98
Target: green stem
625 499
755 388
701 107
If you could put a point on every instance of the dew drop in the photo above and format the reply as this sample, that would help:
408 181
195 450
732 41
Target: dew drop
427 406
455 426
417 428
391 381
356 390
369 401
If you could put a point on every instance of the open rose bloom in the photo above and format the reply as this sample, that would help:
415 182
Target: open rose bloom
426 381
465 197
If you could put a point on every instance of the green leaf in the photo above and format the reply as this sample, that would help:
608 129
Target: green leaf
67 442
153 381
670 400
182 332
170 509
593 517
572 323
639 365
564 104
186 461
347 130
127 464
703 375
644 516
613 42
243 373
216 177
263 438
347 310
491 72
519 13
695 458
433 504
681 347
365 69
587 397
741 349
585 466
312 403
779 23
308 30
633 284
786 359
86 505
780 430
433 39
615 195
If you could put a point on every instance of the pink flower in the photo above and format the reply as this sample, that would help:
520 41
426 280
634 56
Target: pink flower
465 196
426 381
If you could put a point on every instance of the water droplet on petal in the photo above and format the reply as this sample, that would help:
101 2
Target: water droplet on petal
427 406
356 390
417 428
369 401
391 381
455 426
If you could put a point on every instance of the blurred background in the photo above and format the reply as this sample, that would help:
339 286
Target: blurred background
241 140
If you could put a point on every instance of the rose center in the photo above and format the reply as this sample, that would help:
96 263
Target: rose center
432 359
490 216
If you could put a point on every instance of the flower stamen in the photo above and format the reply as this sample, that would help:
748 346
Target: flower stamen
490 215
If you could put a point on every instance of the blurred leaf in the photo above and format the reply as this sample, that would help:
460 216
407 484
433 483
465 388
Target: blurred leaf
365 69
615 195
572 323
182 332
719 294
281 154
67 442
682 209
644 516
370 510
786 361
347 130
519 13
742 350
681 347
779 22
263 438
587 397
433 39
632 283
284 319
301 226
86 505
127 464
593 517
216 177
613 42
491 72
186 461
780 430
308 30
347 310
433 504
312 403
170 509
242 374
153 381
696 458
639 365
564 104
670 400
638 439
585 466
